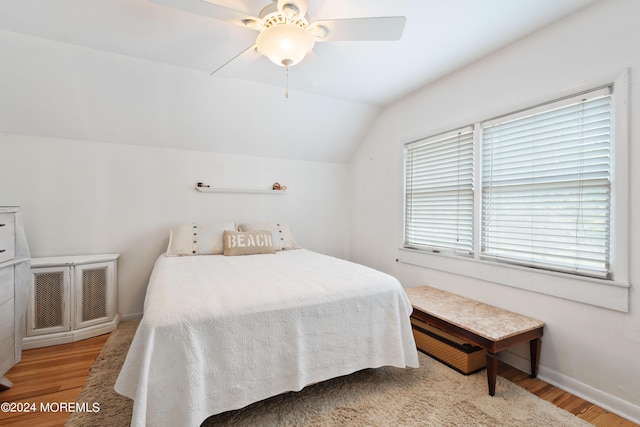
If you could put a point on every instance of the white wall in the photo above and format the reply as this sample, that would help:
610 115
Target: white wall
589 350
83 197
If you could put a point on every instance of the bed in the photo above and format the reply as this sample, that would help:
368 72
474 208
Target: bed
221 332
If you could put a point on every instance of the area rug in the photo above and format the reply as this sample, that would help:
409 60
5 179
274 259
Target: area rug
432 395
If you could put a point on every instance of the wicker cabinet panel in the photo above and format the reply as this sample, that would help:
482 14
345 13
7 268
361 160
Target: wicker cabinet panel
71 298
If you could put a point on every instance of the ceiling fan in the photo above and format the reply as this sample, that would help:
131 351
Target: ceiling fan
285 34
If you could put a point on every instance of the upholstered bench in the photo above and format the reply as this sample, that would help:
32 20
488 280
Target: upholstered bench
483 325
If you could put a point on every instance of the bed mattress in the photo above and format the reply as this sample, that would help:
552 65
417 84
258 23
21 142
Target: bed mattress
219 333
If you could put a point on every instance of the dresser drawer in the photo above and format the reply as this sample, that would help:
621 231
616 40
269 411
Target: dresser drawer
7 236
7 224
6 284
7 248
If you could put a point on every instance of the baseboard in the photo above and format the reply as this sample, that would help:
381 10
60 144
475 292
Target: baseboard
66 337
94 331
130 316
29 343
604 400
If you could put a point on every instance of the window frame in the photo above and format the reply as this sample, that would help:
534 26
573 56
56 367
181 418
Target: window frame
610 293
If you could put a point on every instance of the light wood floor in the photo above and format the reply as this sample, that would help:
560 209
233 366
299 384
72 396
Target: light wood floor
49 374
57 373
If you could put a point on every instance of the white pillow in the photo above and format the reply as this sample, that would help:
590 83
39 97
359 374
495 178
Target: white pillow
197 239
282 235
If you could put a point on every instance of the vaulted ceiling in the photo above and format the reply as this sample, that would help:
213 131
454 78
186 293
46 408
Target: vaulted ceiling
133 72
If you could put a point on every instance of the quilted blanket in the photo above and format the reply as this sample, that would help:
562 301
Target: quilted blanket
219 333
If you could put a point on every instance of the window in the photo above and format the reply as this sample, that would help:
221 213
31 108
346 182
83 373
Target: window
545 188
439 193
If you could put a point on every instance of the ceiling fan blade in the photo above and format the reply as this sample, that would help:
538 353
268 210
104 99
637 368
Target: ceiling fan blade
301 5
252 7
204 8
363 29
249 55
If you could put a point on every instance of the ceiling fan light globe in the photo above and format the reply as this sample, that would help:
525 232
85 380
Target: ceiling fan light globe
285 44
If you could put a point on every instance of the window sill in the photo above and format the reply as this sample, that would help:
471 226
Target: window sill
601 293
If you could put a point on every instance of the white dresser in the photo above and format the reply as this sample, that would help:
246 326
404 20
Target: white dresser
14 285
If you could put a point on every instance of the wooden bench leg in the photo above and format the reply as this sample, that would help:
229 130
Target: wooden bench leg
534 348
492 372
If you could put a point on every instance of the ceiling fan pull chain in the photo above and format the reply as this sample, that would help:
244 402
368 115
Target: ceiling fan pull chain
286 63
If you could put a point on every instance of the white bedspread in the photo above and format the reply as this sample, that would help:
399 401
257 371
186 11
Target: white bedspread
219 333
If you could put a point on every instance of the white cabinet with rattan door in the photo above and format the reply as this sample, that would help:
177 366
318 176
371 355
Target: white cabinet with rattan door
71 298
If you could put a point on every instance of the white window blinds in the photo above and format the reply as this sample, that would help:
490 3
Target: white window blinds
439 193
546 185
